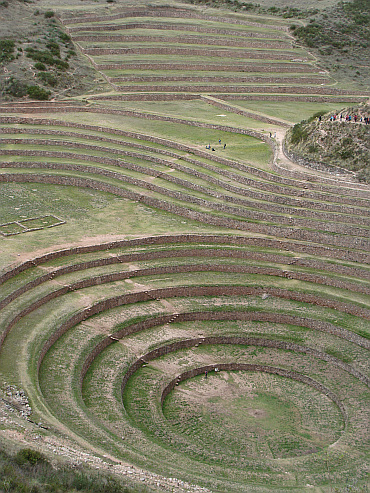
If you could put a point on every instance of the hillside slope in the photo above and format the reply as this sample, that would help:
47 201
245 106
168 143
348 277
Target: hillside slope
335 139
35 52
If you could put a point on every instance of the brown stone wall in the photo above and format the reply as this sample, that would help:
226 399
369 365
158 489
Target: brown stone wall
263 243
175 269
173 27
204 253
193 291
359 191
235 67
233 79
196 52
184 39
301 234
170 13
247 202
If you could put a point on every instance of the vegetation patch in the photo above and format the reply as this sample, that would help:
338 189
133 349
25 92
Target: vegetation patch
30 41
30 472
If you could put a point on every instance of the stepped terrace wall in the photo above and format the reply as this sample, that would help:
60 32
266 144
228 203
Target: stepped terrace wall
222 67
198 40
222 53
174 13
193 291
338 228
262 243
322 184
172 27
209 254
175 269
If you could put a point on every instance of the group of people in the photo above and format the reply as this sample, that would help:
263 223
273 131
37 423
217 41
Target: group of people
349 118
213 149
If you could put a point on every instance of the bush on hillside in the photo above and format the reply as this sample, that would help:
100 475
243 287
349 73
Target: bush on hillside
15 88
48 79
36 92
6 50
30 472
29 456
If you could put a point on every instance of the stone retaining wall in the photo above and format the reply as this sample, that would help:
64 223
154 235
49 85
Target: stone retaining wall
241 241
359 191
207 253
230 97
234 79
144 170
191 291
166 270
235 67
196 52
293 223
173 27
171 13
247 201
184 39
269 187
247 341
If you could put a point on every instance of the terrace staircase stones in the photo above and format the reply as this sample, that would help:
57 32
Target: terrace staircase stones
182 319
147 37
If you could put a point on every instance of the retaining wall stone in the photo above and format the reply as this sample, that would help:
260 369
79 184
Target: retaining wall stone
356 190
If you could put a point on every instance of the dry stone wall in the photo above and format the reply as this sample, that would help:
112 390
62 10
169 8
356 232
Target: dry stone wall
357 190
168 26
170 13
262 243
222 53
300 234
183 39
235 67
195 291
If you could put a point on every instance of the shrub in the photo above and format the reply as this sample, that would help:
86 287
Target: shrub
36 92
53 48
316 115
40 66
64 37
29 456
364 177
312 148
46 58
4 3
48 79
298 133
6 50
48 14
15 88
